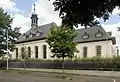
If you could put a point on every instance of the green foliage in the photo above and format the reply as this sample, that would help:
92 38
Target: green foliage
5 25
94 63
24 53
115 59
98 59
61 41
84 12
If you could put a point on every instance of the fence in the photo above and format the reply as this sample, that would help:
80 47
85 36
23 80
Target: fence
67 65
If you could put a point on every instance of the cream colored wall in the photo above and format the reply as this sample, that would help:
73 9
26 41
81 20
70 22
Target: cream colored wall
39 43
106 49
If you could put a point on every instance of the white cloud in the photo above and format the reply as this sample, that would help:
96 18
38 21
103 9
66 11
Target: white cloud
21 21
115 33
46 13
44 9
8 5
116 11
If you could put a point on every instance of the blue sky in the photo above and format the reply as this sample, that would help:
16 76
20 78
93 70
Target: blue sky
24 5
21 11
112 20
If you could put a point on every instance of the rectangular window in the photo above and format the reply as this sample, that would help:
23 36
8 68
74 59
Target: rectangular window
85 52
16 53
36 52
98 51
44 52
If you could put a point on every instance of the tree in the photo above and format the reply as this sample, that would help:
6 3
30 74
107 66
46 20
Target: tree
24 54
61 41
84 12
5 25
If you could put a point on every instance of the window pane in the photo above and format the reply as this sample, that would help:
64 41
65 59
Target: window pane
29 52
98 50
23 52
85 52
36 51
44 51
16 53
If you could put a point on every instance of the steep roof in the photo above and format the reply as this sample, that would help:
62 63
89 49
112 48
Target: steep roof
90 34
44 29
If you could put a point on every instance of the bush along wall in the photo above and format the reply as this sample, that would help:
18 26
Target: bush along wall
94 63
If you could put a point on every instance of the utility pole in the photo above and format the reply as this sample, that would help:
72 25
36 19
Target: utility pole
7 49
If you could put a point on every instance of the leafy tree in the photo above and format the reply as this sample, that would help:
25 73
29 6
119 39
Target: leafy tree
24 55
61 41
84 12
5 25
23 52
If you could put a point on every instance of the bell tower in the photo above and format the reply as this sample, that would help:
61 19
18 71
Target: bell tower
34 18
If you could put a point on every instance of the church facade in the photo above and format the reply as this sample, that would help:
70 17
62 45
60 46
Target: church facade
93 41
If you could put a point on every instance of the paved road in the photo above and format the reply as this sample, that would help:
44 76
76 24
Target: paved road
23 76
6 79
80 72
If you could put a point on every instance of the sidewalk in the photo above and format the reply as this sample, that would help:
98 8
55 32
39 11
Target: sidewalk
80 72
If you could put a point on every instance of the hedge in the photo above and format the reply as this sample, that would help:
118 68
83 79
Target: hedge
94 63
94 59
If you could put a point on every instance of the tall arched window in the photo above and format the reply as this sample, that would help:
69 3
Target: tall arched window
29 52
16 53
85 52
44 52
36 51
22 52
98 50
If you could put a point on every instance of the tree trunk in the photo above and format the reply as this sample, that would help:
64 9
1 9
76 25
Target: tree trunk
24 64
63 64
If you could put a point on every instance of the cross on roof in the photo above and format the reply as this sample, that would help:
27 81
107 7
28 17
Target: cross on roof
34 7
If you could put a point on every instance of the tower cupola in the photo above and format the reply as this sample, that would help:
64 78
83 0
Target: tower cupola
34 19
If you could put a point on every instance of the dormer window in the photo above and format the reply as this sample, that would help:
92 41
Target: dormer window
85 36
38 33
24 36
99 34
30 35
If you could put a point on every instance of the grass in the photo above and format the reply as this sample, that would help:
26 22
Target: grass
24 72
40 74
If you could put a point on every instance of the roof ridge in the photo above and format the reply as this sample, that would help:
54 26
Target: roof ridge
44 24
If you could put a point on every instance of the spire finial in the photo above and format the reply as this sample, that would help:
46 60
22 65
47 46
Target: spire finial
34 7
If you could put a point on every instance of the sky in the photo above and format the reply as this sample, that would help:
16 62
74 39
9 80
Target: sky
21 11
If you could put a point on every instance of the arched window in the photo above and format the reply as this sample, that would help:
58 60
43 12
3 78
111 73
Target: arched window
33 21
36 51
98 50
16 53
44 52
29 52
22 52
85 52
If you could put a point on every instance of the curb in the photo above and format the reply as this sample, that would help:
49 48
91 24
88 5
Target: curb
76 72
